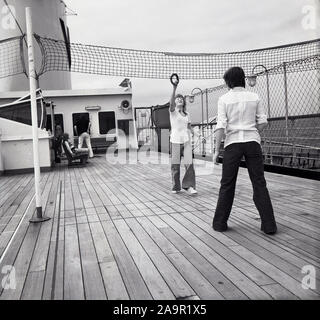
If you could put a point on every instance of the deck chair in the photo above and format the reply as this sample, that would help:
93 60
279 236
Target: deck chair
74 157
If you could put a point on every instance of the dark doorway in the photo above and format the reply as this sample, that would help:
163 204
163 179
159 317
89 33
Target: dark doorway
58 120
124 125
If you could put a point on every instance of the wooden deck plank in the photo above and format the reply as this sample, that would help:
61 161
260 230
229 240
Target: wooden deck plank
82 174
204 289
114 285
40 255
113 281
281 277
242 265
22 262
57 287
73 281
80 199
287 245
51 267
291 232
154 281
307 244
57 284
132 278
175 281
251 289
25 252
263 245
293 210
33 287
258 246
7 199
285 191
222 284
5 180
300 214
19 212
15 245
9 186
92 278
277 292
117 232
280 250
12 213
110 195
166 246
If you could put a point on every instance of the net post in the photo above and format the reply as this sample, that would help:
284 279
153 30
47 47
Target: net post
34 116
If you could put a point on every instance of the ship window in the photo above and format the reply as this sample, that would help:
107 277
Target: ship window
76 117
106 122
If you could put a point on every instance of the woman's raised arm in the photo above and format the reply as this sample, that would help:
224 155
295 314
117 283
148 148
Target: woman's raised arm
174 82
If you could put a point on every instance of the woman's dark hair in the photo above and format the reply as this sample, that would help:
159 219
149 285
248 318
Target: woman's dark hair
184 102
235 77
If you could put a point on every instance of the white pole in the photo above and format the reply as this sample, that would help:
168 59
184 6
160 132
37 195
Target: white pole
34 116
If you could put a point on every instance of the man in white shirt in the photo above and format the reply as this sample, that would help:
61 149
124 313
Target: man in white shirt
240 117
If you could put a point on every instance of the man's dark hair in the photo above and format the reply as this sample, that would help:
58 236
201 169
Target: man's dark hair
235 77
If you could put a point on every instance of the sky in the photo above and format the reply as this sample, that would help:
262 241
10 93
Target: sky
186 26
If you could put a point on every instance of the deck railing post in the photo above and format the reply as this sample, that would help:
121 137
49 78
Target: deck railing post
34 116
207 107
286 99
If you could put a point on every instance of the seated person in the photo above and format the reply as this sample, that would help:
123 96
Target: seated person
57 141
71 148
73 153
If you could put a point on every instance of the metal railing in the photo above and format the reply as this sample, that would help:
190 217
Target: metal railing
290 94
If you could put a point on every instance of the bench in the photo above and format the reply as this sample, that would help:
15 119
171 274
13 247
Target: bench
75 157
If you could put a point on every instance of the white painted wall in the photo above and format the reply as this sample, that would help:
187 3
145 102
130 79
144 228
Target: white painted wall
74 101
16 146
67 105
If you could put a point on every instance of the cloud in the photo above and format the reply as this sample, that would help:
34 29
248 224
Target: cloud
182 26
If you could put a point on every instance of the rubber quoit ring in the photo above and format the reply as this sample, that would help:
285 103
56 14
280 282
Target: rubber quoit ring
174 75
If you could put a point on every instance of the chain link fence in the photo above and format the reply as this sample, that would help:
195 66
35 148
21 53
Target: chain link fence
290 94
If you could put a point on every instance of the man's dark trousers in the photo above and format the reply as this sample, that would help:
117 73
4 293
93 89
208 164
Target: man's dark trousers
231 160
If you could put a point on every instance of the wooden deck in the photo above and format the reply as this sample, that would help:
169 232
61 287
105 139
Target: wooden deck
117 232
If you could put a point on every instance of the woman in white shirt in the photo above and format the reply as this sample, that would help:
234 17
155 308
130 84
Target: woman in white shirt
241 117
181 144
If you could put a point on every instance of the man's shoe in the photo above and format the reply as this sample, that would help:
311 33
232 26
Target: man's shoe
192 190
219 228
269 231
175 191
